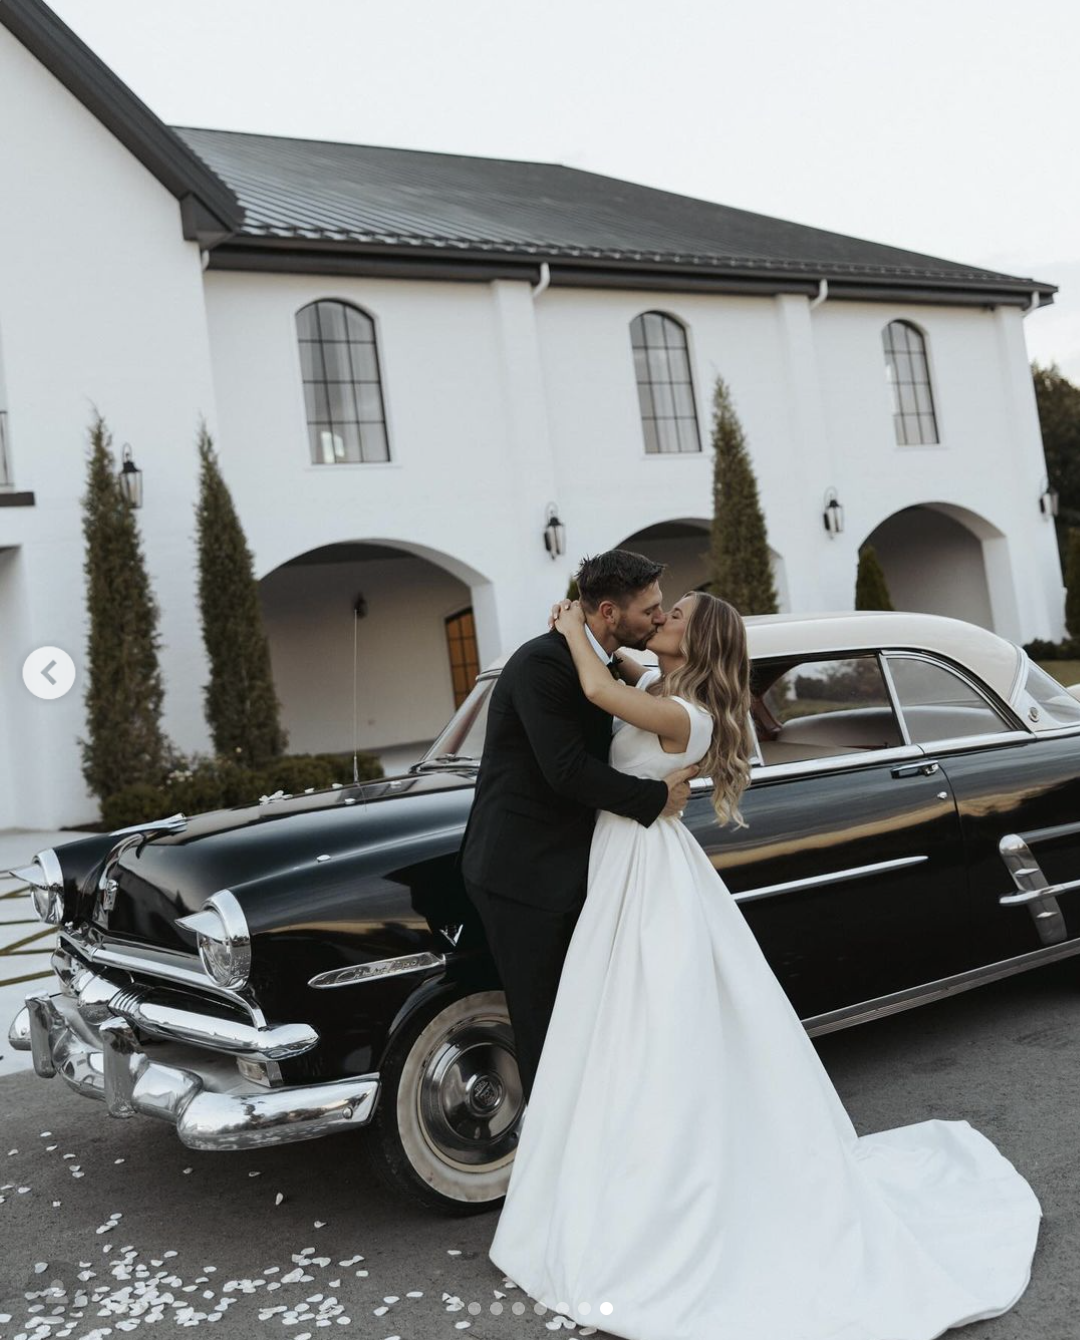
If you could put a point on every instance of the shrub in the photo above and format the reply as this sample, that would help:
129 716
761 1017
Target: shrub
198 784
135 804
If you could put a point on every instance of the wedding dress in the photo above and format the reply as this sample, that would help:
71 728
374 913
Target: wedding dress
685 1169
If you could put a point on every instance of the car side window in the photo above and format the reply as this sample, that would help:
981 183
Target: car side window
820 707
938 704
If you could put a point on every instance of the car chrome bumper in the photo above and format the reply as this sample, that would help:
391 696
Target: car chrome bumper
211 1105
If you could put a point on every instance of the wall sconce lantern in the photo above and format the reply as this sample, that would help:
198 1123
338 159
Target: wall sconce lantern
554 533
130 479
833 515
1048 499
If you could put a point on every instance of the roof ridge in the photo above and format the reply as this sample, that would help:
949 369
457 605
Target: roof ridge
397 149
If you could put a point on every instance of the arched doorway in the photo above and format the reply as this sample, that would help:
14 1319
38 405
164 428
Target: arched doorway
416 646
939 558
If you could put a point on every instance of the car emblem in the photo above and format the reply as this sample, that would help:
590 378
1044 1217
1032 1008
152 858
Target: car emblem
108 898
452 934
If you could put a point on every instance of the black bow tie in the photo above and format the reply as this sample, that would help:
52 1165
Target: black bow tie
613 666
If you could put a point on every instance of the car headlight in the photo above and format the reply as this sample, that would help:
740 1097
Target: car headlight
224 939
46 880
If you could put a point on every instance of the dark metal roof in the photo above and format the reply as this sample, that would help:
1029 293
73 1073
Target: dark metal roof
312 197
209 210
269 203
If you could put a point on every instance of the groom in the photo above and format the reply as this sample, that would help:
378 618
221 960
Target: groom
543 775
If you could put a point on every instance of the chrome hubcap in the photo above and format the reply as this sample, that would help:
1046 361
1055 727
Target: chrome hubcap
469 1097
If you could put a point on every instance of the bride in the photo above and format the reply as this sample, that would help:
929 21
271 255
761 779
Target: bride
685 1168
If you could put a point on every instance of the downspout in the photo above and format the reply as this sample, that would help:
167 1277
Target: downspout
1033 303
545 280
822 293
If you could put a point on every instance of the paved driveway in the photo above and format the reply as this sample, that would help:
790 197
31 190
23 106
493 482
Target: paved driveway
107 1225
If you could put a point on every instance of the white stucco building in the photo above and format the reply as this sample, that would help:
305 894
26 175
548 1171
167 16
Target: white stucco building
405 358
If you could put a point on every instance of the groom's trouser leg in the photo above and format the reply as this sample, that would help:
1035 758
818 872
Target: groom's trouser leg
528 945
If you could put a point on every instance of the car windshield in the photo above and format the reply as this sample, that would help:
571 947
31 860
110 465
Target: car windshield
463 738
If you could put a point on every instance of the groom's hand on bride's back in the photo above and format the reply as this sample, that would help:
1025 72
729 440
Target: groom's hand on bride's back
678 786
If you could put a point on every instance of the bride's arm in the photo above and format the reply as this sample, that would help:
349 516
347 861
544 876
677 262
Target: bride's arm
630 671
662 716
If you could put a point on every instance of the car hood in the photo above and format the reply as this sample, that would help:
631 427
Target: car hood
297 847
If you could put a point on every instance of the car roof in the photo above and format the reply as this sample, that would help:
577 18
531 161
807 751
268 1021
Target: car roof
993 658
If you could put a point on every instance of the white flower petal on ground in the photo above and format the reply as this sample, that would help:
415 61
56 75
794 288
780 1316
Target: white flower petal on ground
278 1198
391 1298
320 1223
453 1251
416 1293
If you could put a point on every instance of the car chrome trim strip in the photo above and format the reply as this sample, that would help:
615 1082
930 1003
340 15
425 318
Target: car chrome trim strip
1053 731
833 877
857 758
183 968
175 823
959 744
1048 834
205 1030
936 990
379 968
894 697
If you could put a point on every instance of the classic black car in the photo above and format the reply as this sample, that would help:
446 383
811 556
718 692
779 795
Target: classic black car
310 963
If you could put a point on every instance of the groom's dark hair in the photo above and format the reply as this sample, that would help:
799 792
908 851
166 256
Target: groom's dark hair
616 574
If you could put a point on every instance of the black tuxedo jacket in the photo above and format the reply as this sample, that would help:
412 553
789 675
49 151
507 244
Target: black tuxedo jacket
543 775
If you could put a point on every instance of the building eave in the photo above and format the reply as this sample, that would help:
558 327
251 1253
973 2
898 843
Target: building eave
213 211
463 263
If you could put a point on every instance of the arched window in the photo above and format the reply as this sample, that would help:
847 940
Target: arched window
665 390
342 386
908 374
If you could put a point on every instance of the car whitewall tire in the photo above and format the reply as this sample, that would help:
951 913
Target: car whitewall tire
449 1113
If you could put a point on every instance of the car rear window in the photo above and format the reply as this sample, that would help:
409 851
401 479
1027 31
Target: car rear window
1055 702
938 704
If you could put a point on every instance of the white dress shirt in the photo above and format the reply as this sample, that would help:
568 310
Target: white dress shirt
605 656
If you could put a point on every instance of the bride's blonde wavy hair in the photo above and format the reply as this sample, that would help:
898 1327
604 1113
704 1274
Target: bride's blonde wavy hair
716 676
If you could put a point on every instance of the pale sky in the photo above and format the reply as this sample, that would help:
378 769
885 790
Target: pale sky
943 126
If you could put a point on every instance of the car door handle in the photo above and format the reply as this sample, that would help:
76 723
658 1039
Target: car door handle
927 767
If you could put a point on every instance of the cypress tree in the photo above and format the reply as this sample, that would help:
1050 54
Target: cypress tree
739 566
242 709
124 690
871 589
1072 583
